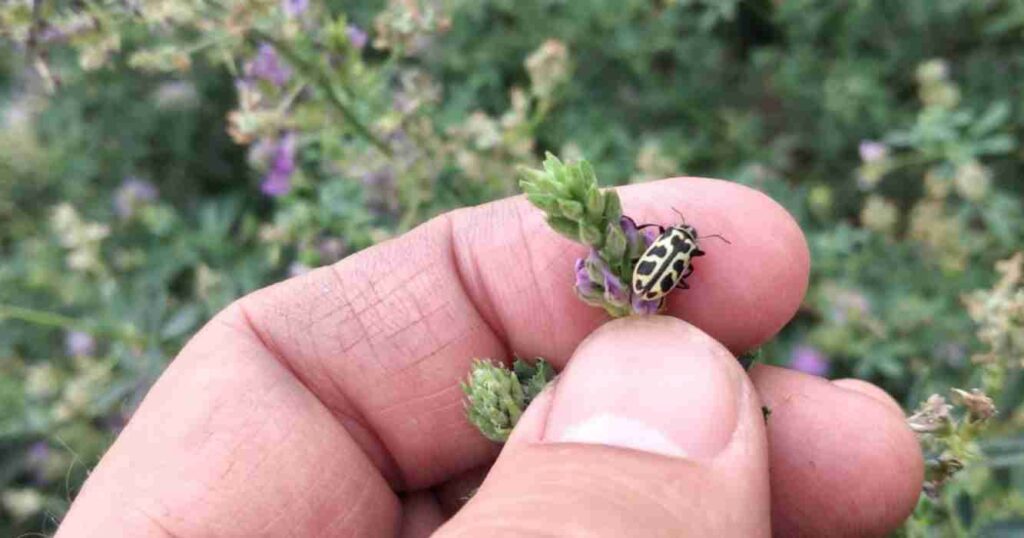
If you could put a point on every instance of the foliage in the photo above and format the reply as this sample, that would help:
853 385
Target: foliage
160 158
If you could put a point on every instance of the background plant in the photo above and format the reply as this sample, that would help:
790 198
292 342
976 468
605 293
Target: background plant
160 158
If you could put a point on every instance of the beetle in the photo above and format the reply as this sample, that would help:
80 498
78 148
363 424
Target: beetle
668 260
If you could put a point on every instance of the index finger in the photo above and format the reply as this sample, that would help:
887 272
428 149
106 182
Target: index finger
518 274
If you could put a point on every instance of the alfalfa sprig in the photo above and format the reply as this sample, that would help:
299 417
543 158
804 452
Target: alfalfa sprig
497 396
577 208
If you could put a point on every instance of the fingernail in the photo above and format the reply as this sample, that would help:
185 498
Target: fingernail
654 384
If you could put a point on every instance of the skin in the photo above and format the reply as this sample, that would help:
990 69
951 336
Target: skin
329 404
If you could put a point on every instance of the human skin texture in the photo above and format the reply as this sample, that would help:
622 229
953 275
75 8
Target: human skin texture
329 404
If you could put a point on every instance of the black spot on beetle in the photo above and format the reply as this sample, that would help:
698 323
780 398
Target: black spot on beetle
678 266
660 251
646 267
667 283
681 244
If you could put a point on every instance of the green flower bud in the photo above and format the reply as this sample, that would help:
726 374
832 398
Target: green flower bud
613 206
595 203
494 399
571 210
591 235
565 227
497 396
615 242
545 202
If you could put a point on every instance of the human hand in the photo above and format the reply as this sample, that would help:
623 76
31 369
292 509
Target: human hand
329 404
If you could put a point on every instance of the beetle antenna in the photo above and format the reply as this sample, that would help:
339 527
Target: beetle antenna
681 217
718 236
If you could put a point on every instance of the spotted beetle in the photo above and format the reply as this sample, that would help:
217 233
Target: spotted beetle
667 261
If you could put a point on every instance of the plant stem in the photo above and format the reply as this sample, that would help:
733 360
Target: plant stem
324 82
39 317
52 319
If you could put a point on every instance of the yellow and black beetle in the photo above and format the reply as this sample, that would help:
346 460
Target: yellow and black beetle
667 261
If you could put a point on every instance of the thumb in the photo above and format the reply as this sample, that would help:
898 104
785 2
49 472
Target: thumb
653 429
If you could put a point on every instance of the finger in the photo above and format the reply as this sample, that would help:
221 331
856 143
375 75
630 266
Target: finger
384 336
229 443
652 430
843 461
741 293
871 391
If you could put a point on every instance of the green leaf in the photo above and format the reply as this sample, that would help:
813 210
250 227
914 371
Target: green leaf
182 322
995 145
532 376
992 119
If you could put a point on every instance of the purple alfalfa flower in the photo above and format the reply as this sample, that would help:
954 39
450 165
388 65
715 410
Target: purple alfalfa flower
644 307
132 194
278 180
849 304
583 283
629 228
37 460
586 288
871 151
356 36
331 249
298 269
809 360
614 292
267 65
294 8
637 239
79 344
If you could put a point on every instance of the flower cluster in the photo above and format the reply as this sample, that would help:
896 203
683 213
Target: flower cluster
81 238
578 209
277 157
653 162
934 86
486 147
809 360
880 215
999 313
548 68
949 437
875 160
132 195
497 396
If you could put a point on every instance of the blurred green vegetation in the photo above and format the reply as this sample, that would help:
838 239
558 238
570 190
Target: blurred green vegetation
160 161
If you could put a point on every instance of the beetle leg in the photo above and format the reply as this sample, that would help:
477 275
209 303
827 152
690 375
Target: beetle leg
689 271
682 285
698 252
